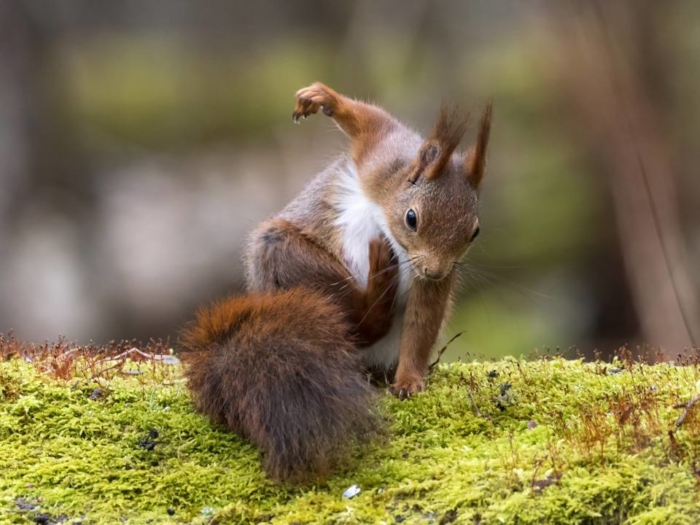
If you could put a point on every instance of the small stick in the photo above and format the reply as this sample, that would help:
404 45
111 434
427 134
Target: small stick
686 408
68 352
476 408
126 354
442 351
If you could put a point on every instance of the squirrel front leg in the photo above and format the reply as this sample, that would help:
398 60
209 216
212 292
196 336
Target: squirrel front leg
425 311
364 123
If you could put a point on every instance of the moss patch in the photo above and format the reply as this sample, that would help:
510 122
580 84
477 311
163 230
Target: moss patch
546 441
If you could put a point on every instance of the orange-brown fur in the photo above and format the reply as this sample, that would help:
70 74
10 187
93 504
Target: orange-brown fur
440 185
288 258
282 366
362 122
280 370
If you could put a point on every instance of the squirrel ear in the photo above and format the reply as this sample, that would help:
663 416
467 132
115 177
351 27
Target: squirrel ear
428 155
443 140
475 161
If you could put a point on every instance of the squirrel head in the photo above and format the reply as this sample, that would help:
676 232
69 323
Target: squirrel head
432 213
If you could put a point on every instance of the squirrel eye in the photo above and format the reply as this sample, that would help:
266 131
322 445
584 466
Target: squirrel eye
411 220
475 234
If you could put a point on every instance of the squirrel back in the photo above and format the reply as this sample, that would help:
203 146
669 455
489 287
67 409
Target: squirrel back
281 370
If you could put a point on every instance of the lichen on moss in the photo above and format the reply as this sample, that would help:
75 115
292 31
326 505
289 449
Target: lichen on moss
542 441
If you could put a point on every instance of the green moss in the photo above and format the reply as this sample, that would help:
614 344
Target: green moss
514 441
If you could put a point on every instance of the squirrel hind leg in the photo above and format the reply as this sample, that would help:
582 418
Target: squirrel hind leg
282 258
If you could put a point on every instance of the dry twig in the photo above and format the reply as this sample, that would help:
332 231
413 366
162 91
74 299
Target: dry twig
442 351
686 409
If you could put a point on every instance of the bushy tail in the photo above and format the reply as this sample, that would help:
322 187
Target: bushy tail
280 370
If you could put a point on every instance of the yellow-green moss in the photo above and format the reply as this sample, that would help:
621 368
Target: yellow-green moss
509 442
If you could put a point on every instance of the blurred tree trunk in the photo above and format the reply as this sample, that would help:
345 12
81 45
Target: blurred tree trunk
43 170
16 57
618 106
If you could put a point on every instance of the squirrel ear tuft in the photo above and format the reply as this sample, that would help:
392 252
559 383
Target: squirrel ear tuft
435 152
428 154
475 161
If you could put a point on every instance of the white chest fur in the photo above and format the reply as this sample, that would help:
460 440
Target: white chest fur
359 221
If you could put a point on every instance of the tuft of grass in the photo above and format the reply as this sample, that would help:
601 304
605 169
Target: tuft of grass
112 437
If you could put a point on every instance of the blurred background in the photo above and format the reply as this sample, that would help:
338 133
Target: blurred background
141 140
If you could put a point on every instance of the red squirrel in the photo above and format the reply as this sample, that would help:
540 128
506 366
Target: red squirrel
355 274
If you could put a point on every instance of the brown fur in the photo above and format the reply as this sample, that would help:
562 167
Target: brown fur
441 144
364 123
280 370
287 258
281 366
425 313
400 171
475 161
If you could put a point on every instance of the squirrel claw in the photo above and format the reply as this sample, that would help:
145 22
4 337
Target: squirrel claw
296 116
405 389
312 98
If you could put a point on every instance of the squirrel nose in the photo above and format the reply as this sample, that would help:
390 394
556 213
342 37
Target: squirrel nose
435 275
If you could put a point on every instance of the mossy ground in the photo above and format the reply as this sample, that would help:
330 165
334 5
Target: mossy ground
542 441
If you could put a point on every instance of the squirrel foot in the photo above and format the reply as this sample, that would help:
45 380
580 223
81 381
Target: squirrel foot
312 98
383 265
405 388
